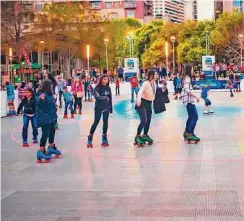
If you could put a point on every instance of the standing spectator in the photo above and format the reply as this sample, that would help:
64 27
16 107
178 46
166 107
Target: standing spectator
78 92
10 92
134 86
224 70
61 84
68 100
121 74
214 70
86 83
21 90
217 71
117 86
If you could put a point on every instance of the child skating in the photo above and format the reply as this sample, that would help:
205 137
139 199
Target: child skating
188 99
47 117
146 95
205 97
103 106
29 104
68 101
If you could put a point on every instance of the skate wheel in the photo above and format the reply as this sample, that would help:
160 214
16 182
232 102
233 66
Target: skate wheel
134 144
150 144
57 156
196 142
35 142
39 161
46 161
189 141
141 145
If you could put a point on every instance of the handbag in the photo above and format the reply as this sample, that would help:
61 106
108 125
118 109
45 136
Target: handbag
79 94
165 96
158 103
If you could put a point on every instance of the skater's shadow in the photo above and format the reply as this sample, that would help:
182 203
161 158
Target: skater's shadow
143 151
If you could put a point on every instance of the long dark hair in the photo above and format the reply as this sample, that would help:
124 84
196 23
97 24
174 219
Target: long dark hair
100 80
22 84
46 87
150 75
30 90
187 72
52 78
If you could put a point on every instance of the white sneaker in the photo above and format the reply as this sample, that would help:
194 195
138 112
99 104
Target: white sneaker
211 112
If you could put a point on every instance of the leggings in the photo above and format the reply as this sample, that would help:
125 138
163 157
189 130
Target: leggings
145 113
78 101
48 132
97 117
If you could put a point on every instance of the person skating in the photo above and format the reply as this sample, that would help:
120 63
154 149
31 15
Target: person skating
78 92
188 99
68 102
103 106
145 97
134 86
10 99
117 86
60 84
47 117
205 97
29 105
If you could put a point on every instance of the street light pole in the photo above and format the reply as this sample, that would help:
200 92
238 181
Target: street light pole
241 38
88 57
42 43
106 44
166 55
173 42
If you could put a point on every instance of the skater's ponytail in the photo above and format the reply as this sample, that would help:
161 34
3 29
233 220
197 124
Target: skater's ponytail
150 75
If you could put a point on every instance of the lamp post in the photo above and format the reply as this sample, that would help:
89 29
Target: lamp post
207 42
173 42
241 39
166 55
106 44
88 57
42 43
10 61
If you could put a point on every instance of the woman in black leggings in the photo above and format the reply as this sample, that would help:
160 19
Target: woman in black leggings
103 106
145 97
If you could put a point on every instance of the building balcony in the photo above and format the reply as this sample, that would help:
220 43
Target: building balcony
130 4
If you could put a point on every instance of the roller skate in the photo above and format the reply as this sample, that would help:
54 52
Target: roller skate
53 150
184 135
205 112
210 112
232 95
89 142
193 138
42 155
80 112
25 143
138 141
147 139
35 140
104 141
65 116
72 116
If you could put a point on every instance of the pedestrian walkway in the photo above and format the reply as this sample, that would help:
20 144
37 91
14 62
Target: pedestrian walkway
168 181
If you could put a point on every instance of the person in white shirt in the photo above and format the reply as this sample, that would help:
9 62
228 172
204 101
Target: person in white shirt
145 97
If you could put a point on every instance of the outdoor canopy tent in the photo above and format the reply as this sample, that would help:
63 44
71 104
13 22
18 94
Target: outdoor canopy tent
33 66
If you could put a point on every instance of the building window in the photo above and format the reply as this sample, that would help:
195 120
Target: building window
114 15
108 4
130 14
96 5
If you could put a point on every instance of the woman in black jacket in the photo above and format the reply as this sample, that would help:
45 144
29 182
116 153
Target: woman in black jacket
29 104
103 106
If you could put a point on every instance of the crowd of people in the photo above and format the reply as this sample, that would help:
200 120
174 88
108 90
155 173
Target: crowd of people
40 101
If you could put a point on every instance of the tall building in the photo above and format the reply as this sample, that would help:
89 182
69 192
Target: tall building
205 9
170 10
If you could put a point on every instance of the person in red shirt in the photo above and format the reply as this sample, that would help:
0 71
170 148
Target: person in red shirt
117 86
134 86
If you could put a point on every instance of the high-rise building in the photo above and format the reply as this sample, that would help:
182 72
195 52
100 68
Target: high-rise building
170 10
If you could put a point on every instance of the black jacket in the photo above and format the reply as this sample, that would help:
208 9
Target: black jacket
103 97
29 106
159 102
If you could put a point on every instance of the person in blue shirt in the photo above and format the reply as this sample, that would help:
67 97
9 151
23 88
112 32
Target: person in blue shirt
205 97
178 87
68 101
103 106
46 119
10 99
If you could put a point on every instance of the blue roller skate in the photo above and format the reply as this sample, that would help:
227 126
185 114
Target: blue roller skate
104 140
42 155
89 141
53 150
35 140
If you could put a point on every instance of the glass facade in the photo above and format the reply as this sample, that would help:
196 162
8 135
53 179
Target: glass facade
238 4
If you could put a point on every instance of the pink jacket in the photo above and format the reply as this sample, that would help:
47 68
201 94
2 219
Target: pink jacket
78 88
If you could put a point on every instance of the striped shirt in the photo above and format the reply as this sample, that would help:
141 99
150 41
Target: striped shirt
187 88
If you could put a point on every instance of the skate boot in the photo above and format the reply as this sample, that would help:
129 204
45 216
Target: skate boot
35 140
147 139
176 98
205 112
80 112
193 138
25 143
138 141
89 142
42 155
104 140
72 116
184 135
232 95
211 112
65 116
53 150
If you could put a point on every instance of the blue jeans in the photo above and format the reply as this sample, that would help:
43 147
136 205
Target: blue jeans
70 105
26 120
192 118
133 90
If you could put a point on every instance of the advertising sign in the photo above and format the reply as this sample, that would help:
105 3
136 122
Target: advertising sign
207 62
131 67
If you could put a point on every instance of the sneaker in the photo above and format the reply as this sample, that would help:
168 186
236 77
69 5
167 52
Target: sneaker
205 112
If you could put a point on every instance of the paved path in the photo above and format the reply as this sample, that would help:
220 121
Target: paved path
168 181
